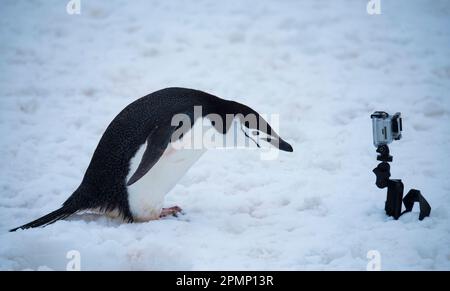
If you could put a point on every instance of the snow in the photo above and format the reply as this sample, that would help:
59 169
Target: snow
323 66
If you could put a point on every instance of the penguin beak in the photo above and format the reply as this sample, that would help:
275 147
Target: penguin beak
284 146
280 144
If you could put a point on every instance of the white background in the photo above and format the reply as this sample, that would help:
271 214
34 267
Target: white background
324 66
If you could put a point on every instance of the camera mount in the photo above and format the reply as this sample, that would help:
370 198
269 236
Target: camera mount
384 155
394 199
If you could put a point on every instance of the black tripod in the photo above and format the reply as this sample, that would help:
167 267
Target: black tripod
394 199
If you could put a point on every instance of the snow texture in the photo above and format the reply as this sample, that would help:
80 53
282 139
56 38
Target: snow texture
324 66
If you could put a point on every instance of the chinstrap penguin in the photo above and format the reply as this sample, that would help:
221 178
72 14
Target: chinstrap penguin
136 163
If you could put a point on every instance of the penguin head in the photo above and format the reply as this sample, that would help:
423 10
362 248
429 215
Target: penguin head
262 132
254 126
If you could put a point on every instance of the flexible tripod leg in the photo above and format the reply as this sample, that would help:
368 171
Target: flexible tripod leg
394 198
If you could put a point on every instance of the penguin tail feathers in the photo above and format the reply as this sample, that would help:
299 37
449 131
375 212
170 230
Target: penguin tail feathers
50 218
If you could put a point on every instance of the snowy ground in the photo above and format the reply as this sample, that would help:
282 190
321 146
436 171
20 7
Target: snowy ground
324 66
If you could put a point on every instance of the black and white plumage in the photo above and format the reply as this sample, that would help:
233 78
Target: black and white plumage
135 163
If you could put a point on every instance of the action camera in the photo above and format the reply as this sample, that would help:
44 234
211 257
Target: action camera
386 128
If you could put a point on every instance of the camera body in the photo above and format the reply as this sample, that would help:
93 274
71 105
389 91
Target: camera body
386 128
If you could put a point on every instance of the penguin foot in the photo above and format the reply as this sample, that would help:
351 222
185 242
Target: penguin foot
174 210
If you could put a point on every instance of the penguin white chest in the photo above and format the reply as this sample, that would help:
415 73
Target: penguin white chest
146 196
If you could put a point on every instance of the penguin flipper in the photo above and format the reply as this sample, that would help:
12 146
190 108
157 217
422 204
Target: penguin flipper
157 143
